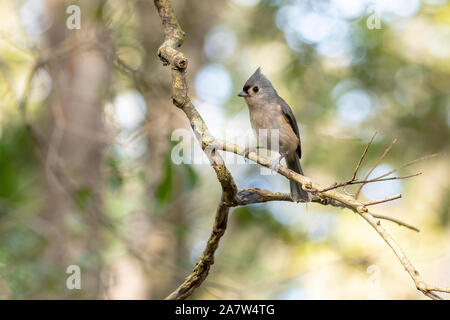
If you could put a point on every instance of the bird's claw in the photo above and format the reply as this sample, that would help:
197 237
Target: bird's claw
274 165
276 162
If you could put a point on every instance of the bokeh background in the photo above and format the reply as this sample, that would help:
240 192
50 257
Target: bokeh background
87 132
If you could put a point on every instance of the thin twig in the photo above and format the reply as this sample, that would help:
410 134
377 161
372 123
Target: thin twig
388 149
408 164
383 200
400 223
379 179
355 172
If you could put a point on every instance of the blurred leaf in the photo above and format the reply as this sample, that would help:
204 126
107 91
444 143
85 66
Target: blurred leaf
115 178
444 209
83 197
164 190
191 177
16 164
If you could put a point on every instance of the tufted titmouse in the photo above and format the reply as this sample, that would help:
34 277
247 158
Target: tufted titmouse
269 111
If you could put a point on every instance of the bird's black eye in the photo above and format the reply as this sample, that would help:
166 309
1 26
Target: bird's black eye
255 89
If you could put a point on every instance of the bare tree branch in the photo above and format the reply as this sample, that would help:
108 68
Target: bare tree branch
347 183
256 195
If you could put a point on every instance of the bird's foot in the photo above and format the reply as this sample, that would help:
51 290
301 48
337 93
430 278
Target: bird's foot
276 162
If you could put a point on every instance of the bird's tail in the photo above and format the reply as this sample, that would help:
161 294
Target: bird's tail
297 193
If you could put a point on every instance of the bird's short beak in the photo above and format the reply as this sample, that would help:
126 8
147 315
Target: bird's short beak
243 94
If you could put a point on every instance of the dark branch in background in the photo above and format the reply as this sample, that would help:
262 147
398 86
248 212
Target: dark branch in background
169 55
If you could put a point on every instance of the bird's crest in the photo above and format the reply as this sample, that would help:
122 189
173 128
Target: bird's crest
257 78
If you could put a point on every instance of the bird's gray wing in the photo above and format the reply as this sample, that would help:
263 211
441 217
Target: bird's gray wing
289 115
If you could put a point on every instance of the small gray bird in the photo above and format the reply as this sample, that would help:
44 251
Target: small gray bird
269 111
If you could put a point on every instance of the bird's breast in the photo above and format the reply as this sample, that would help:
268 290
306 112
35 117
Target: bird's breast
267 118
269 124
